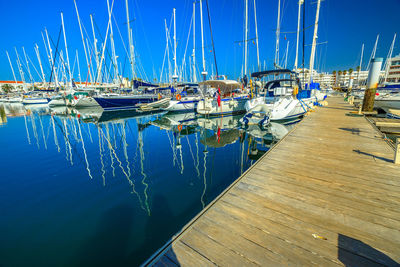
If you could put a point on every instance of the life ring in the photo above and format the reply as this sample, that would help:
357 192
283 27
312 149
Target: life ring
178 97
179 127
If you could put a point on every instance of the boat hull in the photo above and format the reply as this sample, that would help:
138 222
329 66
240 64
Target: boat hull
124 102
185 104
232 105
85 102
31 101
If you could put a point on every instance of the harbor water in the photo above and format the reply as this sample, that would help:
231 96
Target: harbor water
82 187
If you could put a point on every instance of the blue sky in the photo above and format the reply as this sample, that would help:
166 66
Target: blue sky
344 25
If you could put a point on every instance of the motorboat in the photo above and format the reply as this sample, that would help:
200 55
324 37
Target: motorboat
283 95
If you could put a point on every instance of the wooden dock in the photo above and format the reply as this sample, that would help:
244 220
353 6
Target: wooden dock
328 194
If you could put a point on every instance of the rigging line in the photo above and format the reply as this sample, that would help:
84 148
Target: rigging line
55 55
34 68
212 39
106 50
187 42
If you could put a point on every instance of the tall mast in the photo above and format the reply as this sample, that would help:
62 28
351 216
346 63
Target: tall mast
361 59
52 65
389 56
114 57
12 69
175 76
194 43
96 53
314 43
21 72
66 47
245 35
83 42
373 52
27 66
204 72
277 35
286 55
131 51
40 62
298 33
105 42
255 22
212 39
79 69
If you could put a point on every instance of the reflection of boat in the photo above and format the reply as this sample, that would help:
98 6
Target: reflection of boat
123 114
14 109
224 123
221 139
38 108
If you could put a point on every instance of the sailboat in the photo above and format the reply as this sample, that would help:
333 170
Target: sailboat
222 97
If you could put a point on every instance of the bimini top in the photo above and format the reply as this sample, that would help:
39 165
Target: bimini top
225 85
261 74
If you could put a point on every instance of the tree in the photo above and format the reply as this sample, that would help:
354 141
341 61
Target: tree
6 88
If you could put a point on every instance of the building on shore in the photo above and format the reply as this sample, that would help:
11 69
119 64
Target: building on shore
393 72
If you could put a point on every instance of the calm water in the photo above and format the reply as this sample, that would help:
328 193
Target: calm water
85 188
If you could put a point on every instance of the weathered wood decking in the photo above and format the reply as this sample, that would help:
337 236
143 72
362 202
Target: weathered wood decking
328 194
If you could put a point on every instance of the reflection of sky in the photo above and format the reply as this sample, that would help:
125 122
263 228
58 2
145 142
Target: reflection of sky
80 188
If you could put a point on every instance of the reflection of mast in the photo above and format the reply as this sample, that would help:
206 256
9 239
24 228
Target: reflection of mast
140 140
27 131
84 151
54 133
67 143
205 152
101 156
125 144
44 137
191 152
34 129
109 149
90 134
179 147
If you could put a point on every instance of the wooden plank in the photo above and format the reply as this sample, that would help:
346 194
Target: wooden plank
387 124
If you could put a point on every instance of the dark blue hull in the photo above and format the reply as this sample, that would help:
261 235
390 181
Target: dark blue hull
124 102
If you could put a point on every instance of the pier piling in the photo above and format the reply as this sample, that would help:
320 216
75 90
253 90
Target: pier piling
372 84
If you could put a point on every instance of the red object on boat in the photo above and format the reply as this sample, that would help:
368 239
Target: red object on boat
377 93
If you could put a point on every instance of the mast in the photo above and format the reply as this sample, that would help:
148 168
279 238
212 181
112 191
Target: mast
12 69
255 22
175 76
286 55
194 43
79 69
314 43
130 41
373 52
51 58
21 72
204 72
212 39
105 42
245 35
83 42
358 74
40 62
389 56
27 66
96 53
114 57
277 35
66 48
298 33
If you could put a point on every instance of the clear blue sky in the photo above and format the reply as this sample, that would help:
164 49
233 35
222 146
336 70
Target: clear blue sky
345 25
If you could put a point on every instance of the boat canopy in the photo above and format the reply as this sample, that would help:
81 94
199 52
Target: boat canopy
261 74
225 86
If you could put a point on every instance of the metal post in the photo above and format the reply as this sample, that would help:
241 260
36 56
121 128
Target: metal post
397 152
372 84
